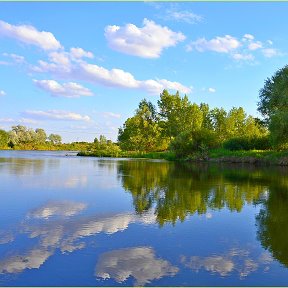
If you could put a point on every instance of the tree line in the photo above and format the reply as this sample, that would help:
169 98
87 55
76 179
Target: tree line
21 137
183 127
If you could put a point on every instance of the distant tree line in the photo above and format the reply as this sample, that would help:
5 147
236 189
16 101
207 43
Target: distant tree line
21 137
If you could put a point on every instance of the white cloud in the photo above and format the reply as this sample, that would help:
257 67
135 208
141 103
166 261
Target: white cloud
2 93
139 262
60 208
255 45
30 35
61 58
56 115
111 78
218 44
155 87
243 57
80 53
211 90
215 264
182 16
238 50
68 90
235 260
146 42
270 52
32 260
248 37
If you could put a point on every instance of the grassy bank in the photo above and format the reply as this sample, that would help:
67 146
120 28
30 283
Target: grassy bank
267 157
166 155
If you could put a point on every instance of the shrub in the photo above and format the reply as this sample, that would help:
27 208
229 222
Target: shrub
187 143
245 143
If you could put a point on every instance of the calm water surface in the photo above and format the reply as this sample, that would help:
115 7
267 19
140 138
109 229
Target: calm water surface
72 221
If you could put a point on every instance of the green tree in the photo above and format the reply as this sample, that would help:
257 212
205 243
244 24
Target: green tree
54 139
178 115
274 95
273 105
40 136
142 131
23 137
4 138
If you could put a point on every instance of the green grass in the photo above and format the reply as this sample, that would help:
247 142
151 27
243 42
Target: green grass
262 156
265 155
166 155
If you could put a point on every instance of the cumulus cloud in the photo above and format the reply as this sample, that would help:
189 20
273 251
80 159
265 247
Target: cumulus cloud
218 44
30 35
255 45
238 50
56 115
61 58
68 90
146 42
95 74
249 37
137 262
2 93
80 53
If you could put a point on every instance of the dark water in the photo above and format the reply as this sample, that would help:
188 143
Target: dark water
72 221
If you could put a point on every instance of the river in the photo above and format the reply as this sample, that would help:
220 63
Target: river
73 221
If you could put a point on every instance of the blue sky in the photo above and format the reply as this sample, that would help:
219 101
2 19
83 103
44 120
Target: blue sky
80 69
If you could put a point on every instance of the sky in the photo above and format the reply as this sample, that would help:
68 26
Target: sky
81 69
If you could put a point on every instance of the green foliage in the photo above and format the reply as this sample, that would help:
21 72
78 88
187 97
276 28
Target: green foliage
274 95
178 115
4 138
190 142
273 105
246 143
142 131
54 139
279 130
103 147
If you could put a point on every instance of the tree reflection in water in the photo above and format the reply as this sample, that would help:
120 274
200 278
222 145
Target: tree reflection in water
177 190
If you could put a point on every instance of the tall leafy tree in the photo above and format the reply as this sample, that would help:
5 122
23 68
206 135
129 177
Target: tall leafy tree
4 138
142 131
273 105
178 115
55 139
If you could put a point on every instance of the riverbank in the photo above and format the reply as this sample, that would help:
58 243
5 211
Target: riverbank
261 157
